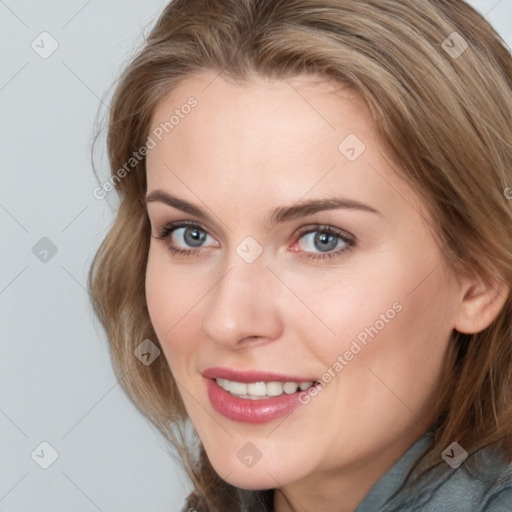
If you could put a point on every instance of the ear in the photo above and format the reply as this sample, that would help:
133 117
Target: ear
482 300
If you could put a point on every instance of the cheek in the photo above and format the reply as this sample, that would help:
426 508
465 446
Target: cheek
168 300
170 290
336 307
381 318
400 366
158 297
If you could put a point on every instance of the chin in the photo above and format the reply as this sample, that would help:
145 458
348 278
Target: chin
247 466
253 481
262 475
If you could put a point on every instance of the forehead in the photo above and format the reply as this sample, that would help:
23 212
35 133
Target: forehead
267 141
251 114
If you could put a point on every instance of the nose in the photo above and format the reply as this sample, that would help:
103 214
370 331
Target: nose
242 308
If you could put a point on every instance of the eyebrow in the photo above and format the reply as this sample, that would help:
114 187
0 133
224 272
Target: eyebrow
281 214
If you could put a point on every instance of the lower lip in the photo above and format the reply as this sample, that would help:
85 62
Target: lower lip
247 410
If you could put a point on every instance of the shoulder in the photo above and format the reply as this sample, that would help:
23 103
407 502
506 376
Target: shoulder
500 501
490 475
482 483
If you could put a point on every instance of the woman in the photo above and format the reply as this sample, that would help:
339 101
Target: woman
311 261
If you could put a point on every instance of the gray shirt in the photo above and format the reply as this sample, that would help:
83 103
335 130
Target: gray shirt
482 483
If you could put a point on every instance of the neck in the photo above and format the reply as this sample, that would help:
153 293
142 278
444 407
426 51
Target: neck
340 490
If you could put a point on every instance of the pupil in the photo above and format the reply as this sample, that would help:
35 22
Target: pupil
325 242
194 237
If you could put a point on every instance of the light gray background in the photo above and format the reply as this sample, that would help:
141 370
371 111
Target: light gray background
57 384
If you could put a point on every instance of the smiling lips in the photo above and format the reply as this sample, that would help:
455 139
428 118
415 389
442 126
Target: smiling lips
253 397
259 390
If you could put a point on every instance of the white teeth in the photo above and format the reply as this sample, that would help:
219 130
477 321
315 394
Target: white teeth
258 390
290 387
274 388
238 388
223 383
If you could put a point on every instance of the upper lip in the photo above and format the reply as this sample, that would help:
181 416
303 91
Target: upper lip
252 376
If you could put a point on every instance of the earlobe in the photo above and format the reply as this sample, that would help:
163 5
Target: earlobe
482 300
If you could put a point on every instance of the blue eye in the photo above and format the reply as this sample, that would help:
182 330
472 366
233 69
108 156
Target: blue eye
324 242
185 237
316 242
191 236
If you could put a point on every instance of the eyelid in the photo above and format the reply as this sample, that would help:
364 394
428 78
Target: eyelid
170 227
347 238
326 228
160 216
350 240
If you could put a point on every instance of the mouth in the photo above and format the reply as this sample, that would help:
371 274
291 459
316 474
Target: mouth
254 397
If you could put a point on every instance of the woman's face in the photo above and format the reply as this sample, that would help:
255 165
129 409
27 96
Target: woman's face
302 255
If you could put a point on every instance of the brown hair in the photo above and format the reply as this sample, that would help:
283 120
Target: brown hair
444 116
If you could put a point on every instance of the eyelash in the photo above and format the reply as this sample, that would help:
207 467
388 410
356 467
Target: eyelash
350 242
322 228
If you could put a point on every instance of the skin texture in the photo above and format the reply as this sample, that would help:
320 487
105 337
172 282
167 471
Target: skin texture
243 151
